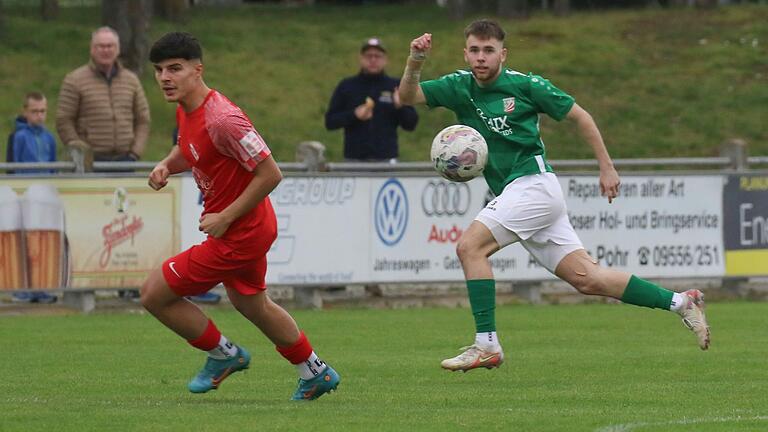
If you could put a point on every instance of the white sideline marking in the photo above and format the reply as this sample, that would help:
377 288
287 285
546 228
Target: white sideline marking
632 426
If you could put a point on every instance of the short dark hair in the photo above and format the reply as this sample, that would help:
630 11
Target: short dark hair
485 29
176 45
34 95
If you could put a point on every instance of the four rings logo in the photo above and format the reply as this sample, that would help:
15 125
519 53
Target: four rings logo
441 198
390 212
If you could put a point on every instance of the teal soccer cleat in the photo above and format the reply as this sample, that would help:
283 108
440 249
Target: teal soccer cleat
325 382
215 371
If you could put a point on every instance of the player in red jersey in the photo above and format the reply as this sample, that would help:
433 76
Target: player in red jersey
235 172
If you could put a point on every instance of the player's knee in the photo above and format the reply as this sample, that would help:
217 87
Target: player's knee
466 250
585 276
149 293
588 284
145 295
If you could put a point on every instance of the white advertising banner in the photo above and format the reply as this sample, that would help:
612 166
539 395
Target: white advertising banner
323 225
417 225
660 226
337 230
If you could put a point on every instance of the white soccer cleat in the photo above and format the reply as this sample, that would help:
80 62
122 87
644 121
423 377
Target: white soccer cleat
692 312
474 357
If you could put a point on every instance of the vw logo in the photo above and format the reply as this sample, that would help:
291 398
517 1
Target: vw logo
441 198
390 212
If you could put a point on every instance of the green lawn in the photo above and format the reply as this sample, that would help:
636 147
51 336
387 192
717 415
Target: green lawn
569 368
660 83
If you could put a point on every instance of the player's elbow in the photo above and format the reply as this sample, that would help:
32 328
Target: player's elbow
275 177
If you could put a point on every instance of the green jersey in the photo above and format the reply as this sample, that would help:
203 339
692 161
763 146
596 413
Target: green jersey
506 113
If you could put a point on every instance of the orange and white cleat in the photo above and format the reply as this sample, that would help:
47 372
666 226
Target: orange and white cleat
474 357
692 312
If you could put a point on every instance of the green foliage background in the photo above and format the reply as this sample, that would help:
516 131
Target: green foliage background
659 82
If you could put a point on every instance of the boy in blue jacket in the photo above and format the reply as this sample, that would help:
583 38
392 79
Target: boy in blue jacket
31 141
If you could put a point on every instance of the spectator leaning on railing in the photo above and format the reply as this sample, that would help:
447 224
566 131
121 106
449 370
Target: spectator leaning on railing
102 104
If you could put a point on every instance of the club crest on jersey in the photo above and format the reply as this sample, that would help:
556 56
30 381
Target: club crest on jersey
194 152
509 104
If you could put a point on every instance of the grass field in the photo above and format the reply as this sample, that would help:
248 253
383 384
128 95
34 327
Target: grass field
659 82
569 368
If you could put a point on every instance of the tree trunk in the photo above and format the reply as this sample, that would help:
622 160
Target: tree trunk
513 8
2 22
130 18
171 10
706 4
49 9
458 8
678 3
561 7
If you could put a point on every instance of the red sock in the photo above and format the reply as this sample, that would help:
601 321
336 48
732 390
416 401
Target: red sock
208 340
298 352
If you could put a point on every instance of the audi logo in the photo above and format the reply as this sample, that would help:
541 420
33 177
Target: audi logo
441 198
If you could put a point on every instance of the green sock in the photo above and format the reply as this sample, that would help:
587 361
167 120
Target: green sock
482 298
640 292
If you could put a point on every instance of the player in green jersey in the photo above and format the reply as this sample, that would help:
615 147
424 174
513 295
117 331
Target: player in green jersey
504 106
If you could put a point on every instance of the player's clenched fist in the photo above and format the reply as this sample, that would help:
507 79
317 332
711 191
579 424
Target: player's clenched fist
214 224
609 183
158 178
420 46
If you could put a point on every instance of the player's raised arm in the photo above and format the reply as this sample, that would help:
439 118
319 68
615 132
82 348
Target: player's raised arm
409 90
174 163
609 178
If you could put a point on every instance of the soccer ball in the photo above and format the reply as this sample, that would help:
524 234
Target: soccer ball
459 153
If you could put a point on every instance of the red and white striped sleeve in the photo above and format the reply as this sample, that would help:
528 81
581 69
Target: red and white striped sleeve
233 135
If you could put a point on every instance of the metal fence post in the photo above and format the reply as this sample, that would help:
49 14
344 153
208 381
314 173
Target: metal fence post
737 150
81 155
312 153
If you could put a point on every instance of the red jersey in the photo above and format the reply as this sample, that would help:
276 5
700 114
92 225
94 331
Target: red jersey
220 144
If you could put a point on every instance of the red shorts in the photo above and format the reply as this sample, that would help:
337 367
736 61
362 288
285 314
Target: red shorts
203 266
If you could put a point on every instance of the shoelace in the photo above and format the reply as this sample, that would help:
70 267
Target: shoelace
469 351
211 367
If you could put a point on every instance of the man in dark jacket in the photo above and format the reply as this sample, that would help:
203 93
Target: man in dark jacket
368 108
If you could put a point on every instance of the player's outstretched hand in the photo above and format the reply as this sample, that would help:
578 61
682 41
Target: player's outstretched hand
420 46
158 178
609 183
214 224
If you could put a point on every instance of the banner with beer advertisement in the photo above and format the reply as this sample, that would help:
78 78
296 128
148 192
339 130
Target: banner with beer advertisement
85 233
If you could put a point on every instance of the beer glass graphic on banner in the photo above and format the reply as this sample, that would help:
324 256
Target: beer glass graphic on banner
12 256
45 240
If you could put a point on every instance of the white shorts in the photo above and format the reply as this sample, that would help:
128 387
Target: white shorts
532 210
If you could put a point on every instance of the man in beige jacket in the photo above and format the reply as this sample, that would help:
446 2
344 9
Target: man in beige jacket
102 104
